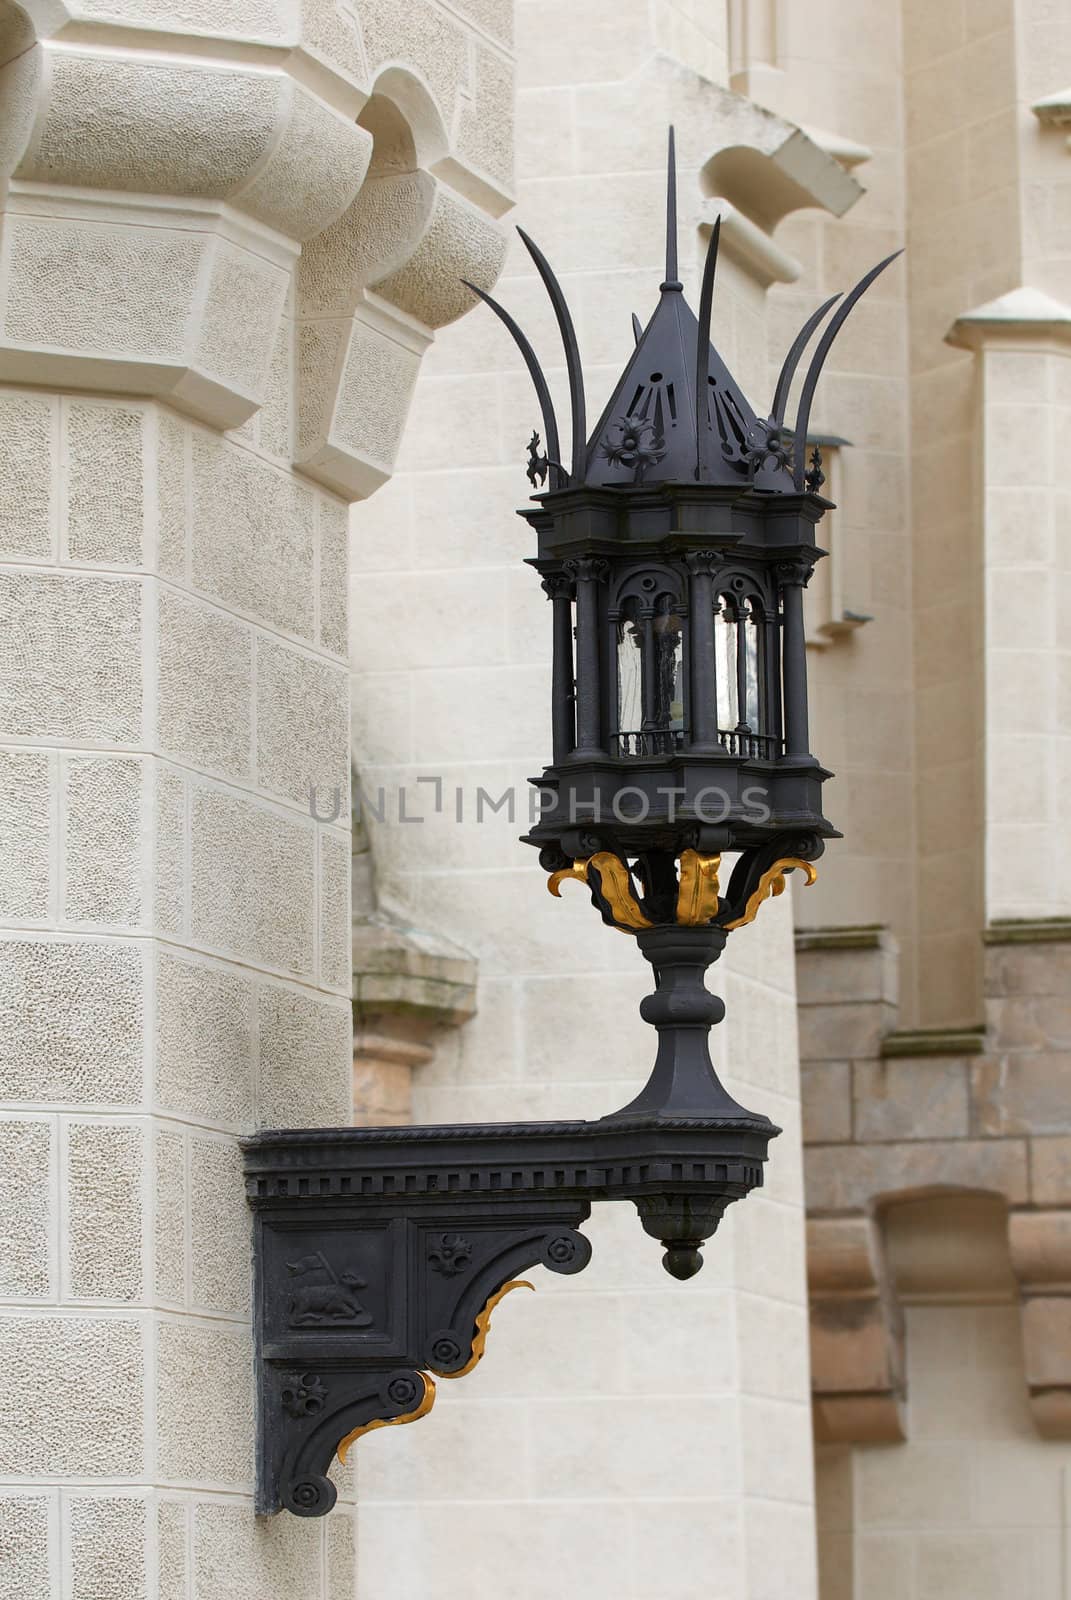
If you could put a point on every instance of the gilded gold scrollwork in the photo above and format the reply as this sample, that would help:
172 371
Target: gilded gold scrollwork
771 884
697 896
616 887
578 870
483 1327
420 1410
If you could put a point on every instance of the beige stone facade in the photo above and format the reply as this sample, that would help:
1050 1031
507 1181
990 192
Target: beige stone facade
228 235
231 244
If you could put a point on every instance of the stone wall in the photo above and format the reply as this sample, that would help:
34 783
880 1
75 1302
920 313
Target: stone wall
185 355
937 1175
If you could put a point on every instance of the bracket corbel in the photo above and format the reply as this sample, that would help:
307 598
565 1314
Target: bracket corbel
380 1252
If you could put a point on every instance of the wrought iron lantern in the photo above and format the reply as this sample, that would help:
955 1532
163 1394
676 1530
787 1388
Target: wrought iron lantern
674 547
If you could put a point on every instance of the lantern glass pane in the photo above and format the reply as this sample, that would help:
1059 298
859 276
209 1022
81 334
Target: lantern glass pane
629 683
733 633
668 667
725 669
752 637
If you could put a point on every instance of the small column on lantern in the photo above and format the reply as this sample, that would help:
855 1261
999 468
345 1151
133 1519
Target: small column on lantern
559 589
704 697
772 673
588 572
793 576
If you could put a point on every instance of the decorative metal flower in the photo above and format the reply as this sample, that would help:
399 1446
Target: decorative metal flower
303 1394
451 1255
766 443
630 443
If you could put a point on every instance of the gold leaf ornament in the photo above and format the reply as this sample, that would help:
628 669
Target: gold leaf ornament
770 885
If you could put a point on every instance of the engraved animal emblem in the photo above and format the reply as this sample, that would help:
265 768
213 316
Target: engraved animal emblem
321 1296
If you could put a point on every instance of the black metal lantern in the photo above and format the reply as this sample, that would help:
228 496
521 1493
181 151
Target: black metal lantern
674 548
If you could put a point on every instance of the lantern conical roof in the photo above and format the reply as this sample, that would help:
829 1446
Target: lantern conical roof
677 414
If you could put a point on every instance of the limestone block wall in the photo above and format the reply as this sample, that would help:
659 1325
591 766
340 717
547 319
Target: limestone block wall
838 72
174 923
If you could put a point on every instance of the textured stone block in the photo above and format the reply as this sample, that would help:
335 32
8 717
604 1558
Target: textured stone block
78 1006
70 657
243 303
53 1420
215 1364
1021 1094
108 1540
1050 1172
220 1243
844 1032
26 778
826 1101
204 1041
251 880
205 685
172 1537
341 1556
25 1558
911 1099
26 1208
849 1177
846 966
172 495
102 837
302 726
95 288
27 444
169 850
169 1216
103 1231
334 903
1041 967
275 422
245 1559
251 537
104 449
332 530
374 395
305 1052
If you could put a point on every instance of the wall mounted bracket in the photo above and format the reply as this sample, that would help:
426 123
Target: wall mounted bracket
380 1252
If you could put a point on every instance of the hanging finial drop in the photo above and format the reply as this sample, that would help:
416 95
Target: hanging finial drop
672 281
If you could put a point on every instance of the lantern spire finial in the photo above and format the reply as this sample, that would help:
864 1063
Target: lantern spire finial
672 281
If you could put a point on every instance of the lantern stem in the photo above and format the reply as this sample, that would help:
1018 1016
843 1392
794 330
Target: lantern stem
683 1082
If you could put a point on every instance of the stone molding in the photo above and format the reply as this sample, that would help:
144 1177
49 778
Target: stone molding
165 185
1023 317
857 1334
745 242
894 1115
408 986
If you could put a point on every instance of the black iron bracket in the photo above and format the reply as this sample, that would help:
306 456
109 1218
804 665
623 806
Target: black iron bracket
381 1252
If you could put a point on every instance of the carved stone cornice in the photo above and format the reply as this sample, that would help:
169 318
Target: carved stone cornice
161 185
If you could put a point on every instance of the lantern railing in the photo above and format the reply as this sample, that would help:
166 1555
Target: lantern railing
648 742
